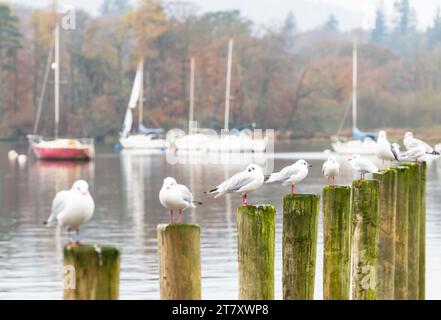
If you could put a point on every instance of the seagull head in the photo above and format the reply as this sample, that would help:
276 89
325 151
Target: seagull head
169 182
254 169
408 134
355 156
332 159
382 134
303 163
81 186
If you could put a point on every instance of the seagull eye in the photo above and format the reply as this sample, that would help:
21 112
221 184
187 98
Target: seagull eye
249 170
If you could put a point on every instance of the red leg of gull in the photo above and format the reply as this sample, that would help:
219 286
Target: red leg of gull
244 200
180 216
171 217
293 188
77 241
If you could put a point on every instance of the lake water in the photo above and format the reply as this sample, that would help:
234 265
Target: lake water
125 188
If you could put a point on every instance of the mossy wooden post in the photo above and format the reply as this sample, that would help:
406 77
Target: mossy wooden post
91 272
365 212
401 233
179 261
414 231
337 221
299 245
386 242
422 264
256 232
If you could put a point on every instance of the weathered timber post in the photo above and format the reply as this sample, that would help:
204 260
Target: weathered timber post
386 242
91 272
422 263
299 246
337 226
256 231
179 261
414 231
401 233
365 211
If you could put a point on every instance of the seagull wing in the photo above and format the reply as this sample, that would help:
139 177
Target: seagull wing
236 182
58 205
394 152
367 165
187 196
284 174
426 145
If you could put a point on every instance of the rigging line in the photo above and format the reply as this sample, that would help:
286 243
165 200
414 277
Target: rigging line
342 123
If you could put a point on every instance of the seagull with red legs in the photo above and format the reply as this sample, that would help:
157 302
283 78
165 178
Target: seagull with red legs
362 165
176 197
244 182
291 175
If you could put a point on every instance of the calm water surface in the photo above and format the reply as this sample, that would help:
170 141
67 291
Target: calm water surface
125 188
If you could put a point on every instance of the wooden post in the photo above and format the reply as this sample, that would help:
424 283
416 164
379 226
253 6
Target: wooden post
337 221
256 231
401 233
422 264
386 242
366 209
179 261
299 246
91 272
414 231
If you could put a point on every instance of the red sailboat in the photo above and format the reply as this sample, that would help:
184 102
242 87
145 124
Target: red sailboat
56 148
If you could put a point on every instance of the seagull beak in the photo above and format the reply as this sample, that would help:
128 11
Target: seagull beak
309 165
84 193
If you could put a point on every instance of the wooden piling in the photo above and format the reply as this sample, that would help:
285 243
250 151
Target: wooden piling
91 272
386 242
337 222
179 261
366 209
299 245
413 239
422 262
401 233
256 231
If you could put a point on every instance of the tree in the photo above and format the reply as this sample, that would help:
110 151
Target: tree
405 21
289 30
331 24
434 32
9 44
378 34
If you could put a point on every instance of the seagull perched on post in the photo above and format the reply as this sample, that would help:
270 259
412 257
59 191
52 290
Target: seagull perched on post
331 168
174 196
384 150
411 142
244 182
72 208
291 174
362 165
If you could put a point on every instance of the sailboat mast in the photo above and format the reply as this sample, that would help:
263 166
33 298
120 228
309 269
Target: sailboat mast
227 91
141 95
191 115
57 80
354 86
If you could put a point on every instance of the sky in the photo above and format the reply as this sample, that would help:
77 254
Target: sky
309 13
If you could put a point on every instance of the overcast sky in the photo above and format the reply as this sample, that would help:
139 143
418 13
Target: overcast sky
309 13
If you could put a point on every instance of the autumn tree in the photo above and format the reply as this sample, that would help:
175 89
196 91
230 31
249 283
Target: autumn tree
331 24
379 32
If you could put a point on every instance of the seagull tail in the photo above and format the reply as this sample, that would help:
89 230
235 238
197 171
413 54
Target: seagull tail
195 203
211 191
434 153
274 177
266 177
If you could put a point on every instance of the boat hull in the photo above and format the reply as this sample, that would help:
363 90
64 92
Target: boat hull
366 147
142 142
48 153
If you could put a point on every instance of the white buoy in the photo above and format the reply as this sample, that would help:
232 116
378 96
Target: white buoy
12 155
22 159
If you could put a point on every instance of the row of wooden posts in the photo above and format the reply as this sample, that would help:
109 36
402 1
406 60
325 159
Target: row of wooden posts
374 238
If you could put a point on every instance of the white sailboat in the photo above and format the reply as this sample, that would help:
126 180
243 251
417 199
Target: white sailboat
145 138
56 148
234 141
361 143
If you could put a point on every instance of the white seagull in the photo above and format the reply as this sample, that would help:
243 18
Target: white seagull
362 165
291 174
384 150
416 153
244 182
410 142
174 196
331 168
72 208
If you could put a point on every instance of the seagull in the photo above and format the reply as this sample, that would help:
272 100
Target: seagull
291 174
12 155
331 168
246 181
416 153
384 150
362 165
411 142
72 208
174 196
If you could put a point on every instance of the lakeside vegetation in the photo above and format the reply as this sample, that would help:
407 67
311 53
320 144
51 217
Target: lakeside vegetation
293 80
